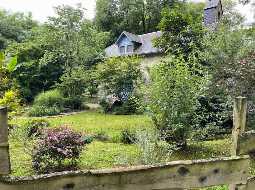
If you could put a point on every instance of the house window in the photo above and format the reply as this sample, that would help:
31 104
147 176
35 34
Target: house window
129 49
122 50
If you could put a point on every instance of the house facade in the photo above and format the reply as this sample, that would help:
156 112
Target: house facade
132 44
212 13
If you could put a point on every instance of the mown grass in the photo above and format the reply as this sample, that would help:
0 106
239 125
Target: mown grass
108 154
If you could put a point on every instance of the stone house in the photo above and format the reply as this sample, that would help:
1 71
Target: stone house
132 44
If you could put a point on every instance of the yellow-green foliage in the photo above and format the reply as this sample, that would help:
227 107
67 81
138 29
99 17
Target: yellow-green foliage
12 101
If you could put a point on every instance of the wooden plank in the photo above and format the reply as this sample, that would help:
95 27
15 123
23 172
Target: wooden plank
174 175
5 166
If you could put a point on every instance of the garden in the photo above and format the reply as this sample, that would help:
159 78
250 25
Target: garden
71 108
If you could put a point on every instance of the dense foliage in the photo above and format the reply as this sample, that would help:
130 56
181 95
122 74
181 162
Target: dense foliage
119 79
60 64
212 117
174 91
58 150
135 16
65 42
47 103
14 27
36 127
232 57
182 29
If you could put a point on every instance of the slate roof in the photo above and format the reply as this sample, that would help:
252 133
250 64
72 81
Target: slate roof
130 36
145 48
212 4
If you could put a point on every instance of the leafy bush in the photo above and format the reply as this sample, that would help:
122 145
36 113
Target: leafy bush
50 98
73 84
173 94
105 105
73 103
59 150
131 106
177 135
119 76
39 111
212 117
35 127
152 149
128 136
7 66
87 139
47 104
12 101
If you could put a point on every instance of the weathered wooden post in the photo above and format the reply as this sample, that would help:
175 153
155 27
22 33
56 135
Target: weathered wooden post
5 166
239 125
239 122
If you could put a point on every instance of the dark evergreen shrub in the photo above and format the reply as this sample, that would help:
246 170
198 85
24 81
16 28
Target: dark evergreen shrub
212 117
73 103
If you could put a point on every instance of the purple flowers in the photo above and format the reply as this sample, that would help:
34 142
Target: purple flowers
58 150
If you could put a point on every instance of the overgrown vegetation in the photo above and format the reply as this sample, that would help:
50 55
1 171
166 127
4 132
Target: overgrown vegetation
174 91
119 79
59 66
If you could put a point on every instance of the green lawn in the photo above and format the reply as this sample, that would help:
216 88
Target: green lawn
105 154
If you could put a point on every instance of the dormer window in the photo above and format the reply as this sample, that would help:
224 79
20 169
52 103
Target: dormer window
130 49
127 49
122 50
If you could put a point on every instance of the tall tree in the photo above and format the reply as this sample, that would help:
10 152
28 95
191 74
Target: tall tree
182 28
136 16
76 37
66 41
14 27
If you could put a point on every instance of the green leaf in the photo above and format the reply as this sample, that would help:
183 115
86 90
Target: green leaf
2 57
11 66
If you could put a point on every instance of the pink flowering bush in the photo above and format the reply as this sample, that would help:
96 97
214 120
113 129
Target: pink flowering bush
58 150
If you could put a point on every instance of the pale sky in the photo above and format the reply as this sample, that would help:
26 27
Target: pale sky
41 9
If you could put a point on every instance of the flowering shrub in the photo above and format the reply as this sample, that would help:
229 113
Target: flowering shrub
58 150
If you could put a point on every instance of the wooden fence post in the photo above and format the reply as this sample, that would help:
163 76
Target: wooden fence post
5 166
239 122
239 125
